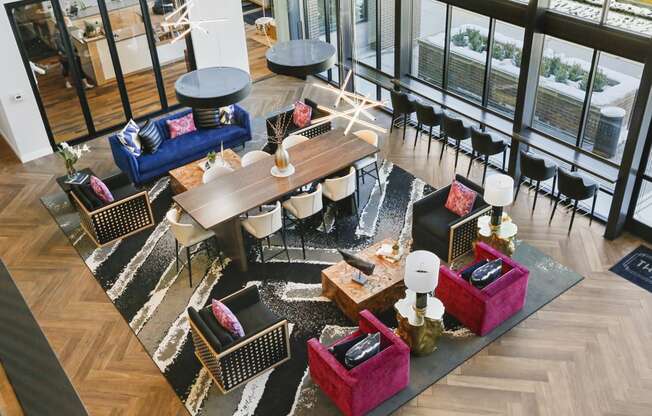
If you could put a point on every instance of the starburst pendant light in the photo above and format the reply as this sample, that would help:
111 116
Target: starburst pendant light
179 21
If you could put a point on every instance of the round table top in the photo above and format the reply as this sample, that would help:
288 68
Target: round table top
300 58
213 87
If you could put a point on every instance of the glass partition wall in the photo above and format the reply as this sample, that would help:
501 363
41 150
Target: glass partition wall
95 64
564 74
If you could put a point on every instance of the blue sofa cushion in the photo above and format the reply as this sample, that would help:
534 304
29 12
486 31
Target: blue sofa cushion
197 142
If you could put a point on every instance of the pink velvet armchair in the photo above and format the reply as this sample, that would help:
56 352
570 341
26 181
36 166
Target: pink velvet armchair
483 310
357 391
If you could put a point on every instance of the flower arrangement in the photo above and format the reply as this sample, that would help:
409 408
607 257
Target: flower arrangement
71 155
279 127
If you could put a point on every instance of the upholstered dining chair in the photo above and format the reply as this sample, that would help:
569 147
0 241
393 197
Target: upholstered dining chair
338 189
302 207
402 105
363 167
578 188
429 116
294 140
215 172
188 234
457 129
262 226
253 156
536 169
486 144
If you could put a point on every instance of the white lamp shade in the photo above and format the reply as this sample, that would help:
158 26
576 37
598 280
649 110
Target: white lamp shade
422 271
499 190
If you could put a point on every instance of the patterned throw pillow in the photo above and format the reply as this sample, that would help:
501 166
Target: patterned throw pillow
128 136
101 190
460 199
181 125
227 115
301 115
150 137
227 319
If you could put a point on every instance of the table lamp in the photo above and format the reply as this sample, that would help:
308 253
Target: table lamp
421 276
498 192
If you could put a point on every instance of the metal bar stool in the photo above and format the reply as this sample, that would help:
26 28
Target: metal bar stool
402 105
429 116
575 187
486 144
538 169
456 129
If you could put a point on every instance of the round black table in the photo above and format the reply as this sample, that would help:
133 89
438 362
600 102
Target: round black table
300 58
213 87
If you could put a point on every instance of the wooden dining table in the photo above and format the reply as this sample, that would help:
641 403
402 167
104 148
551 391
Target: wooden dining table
217 205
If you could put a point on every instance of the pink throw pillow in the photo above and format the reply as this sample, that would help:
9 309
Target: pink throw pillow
101 190
460 199
301 115
226 318
181 125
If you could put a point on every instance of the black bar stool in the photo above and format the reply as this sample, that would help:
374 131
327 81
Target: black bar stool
402 105
575 187
538 169
485 144
456 129
427 115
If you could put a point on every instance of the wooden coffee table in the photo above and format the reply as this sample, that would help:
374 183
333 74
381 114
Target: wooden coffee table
190 176
380 291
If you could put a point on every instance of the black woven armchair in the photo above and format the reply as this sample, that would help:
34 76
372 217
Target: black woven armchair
310 131
436 229
233 362
129 213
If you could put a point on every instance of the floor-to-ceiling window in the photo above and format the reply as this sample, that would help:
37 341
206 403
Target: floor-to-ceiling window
428 39
321 22
505 67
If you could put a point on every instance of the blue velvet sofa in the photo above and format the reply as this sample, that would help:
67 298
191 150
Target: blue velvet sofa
182 150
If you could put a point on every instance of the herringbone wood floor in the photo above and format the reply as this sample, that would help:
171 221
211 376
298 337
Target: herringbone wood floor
586 353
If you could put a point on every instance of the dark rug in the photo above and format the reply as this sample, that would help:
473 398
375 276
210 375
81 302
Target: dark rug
636 267
139 276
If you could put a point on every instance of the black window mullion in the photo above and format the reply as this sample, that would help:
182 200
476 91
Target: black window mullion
447 48
77 78
487 69
584 115
378 38
153 53
115 59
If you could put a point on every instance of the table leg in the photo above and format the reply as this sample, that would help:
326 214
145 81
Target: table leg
231 240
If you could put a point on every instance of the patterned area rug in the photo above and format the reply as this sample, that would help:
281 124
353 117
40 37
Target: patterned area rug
139 276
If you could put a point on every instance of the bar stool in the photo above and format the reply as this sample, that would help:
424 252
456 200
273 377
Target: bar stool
402 105
456 129
486 144
538 169
429 116
575 187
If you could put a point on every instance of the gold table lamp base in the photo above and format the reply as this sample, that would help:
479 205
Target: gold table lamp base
420 329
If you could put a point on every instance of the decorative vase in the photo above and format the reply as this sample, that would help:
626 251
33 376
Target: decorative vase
70 168
281 158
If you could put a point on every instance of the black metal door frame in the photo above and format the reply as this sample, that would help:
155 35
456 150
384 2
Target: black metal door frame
76 77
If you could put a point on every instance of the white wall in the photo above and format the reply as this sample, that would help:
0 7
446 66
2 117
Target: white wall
20 121
225 44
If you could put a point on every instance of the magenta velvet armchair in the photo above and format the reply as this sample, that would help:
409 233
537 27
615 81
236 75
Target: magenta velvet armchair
357 391
483 310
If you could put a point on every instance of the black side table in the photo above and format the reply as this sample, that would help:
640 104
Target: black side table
65 187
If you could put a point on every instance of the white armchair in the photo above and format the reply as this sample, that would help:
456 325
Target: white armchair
262 226
187 233
294 140
304 206
253 156
215 172
369 165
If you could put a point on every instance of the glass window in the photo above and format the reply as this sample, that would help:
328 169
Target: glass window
561 93
365 36
429 29
615 85
643 210
364 87
589 10
505 67
632 15
386 35
468 53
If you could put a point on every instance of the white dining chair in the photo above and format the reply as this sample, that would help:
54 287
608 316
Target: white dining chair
369 165
188 234
293 140
262 226
253 156
337 189
215 172
304 206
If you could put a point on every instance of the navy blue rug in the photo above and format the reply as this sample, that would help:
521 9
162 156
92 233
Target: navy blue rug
636 267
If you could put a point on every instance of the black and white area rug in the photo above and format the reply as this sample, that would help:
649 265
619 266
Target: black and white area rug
139 276
636 267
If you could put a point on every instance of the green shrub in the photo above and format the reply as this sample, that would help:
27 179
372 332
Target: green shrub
459 39
516 60
576 72
510 50
562 74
